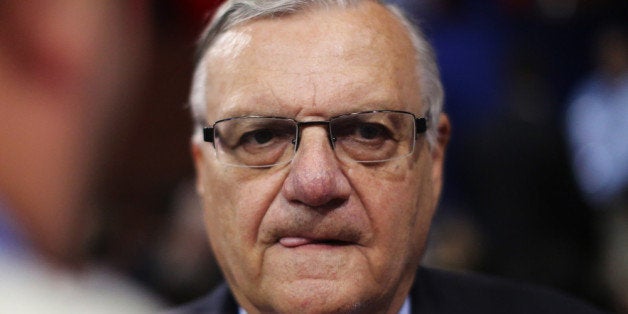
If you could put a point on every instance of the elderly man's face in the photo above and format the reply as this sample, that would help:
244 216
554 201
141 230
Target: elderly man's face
318 234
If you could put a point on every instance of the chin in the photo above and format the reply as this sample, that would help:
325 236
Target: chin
324 296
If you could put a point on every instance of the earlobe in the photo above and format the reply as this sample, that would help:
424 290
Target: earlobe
444 133
199 162
438 153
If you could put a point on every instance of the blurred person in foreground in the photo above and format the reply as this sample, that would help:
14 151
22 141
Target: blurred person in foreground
596 127
61 72
319 152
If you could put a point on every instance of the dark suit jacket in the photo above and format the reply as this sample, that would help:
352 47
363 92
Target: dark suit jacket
437 291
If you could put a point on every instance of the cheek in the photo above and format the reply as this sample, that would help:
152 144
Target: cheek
399 207
233 213
397 194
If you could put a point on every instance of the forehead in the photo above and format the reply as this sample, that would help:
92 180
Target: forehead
323 61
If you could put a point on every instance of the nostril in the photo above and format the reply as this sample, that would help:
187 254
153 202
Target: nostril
324 189
323 208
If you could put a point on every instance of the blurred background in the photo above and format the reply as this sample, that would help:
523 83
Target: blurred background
537 171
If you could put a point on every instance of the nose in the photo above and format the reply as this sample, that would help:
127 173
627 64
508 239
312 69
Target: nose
316 178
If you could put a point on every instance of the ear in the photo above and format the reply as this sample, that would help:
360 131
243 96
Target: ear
199 164
438 153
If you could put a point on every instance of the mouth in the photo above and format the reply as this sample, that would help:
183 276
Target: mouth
294 242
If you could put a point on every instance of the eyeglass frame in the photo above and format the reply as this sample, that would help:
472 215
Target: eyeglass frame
420 126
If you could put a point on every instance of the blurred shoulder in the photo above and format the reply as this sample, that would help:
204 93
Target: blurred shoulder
28 285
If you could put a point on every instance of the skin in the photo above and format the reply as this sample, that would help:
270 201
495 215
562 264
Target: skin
63 67
269 228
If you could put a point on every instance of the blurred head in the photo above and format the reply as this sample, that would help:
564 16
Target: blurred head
61 70
319 233
612 51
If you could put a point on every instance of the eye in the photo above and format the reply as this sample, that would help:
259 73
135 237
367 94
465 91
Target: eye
365 132
259 137
262 136
370 131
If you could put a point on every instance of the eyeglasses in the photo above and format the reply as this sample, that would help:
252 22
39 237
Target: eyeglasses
366 137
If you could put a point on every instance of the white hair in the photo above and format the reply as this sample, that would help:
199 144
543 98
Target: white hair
236 12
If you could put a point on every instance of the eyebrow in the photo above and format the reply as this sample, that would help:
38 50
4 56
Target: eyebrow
252 104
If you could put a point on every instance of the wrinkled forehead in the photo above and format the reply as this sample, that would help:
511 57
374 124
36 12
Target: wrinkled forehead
237 13
358 45
370 23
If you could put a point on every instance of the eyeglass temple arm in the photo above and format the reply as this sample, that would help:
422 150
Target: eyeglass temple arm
208 134
421 125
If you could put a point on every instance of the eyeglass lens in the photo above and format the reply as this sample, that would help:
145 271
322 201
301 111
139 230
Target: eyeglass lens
362 137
